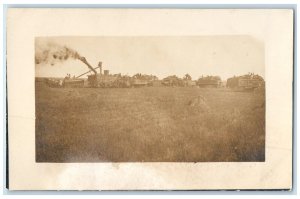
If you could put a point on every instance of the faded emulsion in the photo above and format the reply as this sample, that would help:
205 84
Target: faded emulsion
160 104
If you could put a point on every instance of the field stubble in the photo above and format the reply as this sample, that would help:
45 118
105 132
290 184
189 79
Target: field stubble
153 124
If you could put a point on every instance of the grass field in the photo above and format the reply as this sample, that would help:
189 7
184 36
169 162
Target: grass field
149 124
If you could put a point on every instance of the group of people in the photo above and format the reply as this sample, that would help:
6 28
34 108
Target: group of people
69 76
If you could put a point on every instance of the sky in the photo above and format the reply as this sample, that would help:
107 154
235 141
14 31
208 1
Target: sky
162 56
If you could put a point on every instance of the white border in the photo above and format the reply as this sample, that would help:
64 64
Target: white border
2 104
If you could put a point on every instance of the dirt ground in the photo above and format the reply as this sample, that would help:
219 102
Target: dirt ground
153 124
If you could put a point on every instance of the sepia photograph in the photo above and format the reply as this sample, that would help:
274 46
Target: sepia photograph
150 99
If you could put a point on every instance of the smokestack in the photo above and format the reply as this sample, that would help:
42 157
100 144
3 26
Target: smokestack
84 61
100 66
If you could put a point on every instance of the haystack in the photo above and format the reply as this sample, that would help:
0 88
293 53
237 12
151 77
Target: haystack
199 102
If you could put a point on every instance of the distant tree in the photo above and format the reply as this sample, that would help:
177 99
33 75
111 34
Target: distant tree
187 77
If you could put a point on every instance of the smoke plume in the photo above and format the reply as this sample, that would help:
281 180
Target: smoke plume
52 53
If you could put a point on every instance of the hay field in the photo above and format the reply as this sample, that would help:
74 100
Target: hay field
153 124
